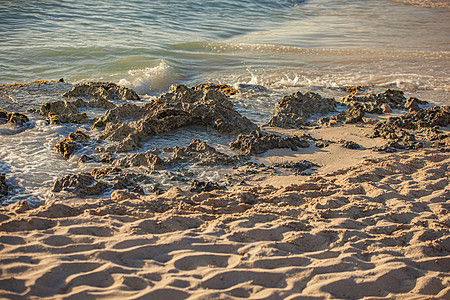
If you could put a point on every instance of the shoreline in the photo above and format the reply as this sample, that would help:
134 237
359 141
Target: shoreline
325 211
378 228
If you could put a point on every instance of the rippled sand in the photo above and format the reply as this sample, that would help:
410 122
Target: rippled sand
374 229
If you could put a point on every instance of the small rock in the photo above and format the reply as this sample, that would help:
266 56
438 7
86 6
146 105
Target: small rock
350 145
3 185
202 186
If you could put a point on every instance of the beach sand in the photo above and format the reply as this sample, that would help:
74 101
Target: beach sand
365 225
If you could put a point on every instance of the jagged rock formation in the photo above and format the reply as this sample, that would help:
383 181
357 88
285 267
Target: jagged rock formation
293 110
13 117
197 153
68 145
3 185
100 181
105 90
403 132
179 107
258 142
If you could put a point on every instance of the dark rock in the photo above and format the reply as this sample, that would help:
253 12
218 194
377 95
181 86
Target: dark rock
322 144
293 110
374 103
179 107
402 132
3 185
350 145
82 183
68 145
197 153
202 186
17 118
105 90
258 142
13 117
297 167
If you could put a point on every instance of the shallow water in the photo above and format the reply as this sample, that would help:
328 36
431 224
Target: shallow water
276 47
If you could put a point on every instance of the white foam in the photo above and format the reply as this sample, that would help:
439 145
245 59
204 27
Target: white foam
151 79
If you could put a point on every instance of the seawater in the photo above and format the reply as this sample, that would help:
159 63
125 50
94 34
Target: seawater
283 46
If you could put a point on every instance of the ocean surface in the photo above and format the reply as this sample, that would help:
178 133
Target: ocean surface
282 45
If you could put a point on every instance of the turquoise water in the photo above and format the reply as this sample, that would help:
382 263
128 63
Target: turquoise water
286 44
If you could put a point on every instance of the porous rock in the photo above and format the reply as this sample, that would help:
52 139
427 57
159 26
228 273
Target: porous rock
197 186
374 103
82 183
68 145
296 167
293 110
179 107
105 90
197 153
3 185
13 117
403 132
258 142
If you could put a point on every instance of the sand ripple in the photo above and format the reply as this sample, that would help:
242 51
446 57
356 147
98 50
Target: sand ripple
376 230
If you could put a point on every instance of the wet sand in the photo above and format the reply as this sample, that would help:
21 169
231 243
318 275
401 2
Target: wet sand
366 225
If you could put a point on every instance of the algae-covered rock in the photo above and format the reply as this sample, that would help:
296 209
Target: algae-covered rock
13 117
292 111
258 142
3 185
68 145
63 112
105 90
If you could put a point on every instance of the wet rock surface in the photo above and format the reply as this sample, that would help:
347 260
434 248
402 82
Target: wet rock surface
376 103
258 142
297 168
197 186
197 153
3 185
293 110
411 130
105 90
13 118
99 181
181 106
68 145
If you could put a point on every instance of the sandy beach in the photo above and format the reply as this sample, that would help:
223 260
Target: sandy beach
364 226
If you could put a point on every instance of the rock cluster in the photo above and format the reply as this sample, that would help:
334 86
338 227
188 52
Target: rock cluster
402 132
293 110
105 90
179 107
197 153
100 181
13 117
377 103
258 142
